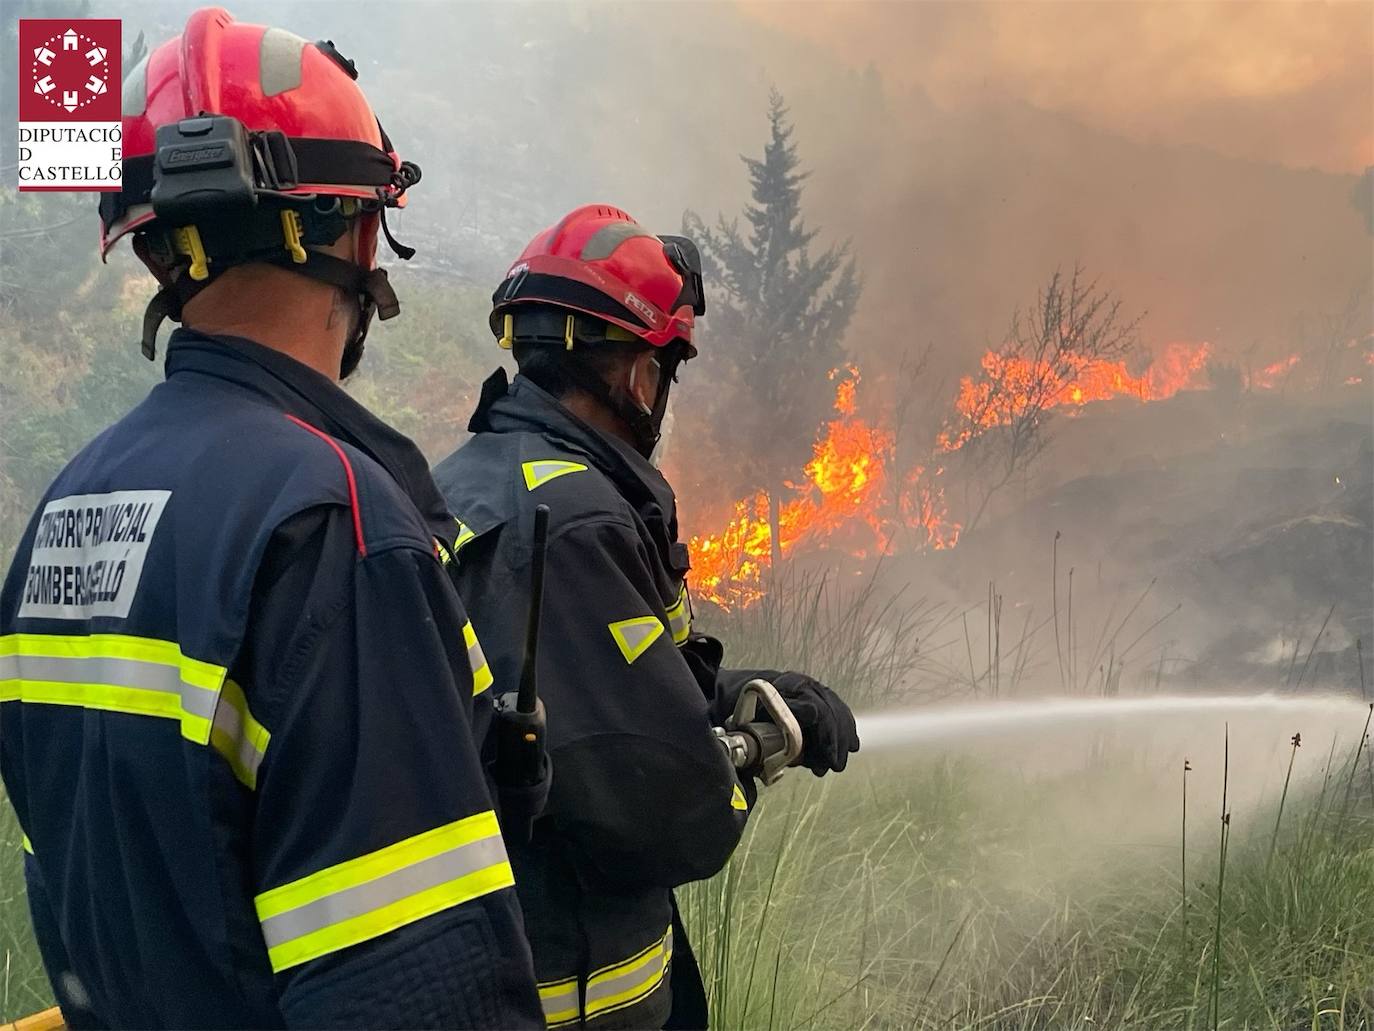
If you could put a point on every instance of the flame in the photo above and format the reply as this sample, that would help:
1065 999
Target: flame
1009 385
852 496
1268 377
846 491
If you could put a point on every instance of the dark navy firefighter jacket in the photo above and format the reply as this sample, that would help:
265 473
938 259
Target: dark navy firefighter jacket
643 798
239 707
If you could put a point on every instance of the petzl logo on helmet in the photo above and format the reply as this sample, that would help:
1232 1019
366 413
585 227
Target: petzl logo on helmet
70 134
649 315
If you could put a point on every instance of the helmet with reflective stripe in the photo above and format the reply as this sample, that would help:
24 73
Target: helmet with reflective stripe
244 143
599 262
272 82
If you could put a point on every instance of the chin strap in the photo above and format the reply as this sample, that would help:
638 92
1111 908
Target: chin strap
166 304
645 426
284 237
371 286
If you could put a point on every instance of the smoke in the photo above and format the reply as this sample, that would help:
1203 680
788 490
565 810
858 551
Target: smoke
1200 159
1288 83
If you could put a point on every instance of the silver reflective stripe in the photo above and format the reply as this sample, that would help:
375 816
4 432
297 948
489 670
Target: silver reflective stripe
631 981
9 667
279 61
560 1002
134 96
145 676
246 753
476 659
679 624
605 240
382 891
680 617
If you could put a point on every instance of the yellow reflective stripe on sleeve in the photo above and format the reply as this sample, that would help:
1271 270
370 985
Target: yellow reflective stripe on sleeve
237 736
737 799
442 552
680 617
560 1001
541 471
465 534
633 636
626 983
364 898
481 672
113 673
9 670
25 843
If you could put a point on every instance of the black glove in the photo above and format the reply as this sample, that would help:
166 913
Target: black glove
827 725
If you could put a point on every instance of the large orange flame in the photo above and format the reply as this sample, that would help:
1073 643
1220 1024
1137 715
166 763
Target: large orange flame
846 488
1009 385
852 496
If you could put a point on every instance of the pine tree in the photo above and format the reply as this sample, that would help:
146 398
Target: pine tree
776 321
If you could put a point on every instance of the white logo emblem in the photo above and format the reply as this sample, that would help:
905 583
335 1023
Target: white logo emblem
74 93
87 554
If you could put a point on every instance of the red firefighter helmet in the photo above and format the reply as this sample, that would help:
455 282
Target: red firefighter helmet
245 143
600 262
311 131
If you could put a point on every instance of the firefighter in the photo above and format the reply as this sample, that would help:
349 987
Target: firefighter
240 703
599 313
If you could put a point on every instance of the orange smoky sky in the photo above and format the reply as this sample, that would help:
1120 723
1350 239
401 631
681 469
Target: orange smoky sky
1290 83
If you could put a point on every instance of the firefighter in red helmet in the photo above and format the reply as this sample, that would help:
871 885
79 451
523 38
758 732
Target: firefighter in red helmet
241 708
600 314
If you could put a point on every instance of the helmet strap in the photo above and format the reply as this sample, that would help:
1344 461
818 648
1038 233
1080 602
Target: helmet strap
370 287
399 249
646 425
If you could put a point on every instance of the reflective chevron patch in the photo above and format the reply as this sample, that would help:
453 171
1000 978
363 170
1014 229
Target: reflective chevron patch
634 636
541 471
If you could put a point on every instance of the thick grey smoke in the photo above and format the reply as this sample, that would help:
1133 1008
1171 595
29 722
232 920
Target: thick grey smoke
966 150
1201 160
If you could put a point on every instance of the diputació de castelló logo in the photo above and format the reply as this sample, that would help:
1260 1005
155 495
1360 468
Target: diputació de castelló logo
69 104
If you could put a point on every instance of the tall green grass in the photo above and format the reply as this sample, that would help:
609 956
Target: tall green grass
863 638
933 892
23 986
944 894
957 894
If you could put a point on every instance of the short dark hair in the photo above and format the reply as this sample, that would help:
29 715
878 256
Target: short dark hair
547 365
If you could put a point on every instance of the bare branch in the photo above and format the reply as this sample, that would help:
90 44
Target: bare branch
1074 327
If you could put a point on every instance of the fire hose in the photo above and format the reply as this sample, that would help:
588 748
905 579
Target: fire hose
761 748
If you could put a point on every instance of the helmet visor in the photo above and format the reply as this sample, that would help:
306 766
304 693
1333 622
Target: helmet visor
682 253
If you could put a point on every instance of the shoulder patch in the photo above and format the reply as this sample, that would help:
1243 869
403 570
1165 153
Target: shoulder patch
634 636
542 470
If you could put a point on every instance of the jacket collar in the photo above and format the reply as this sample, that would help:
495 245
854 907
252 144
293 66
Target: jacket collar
524 407
298 390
